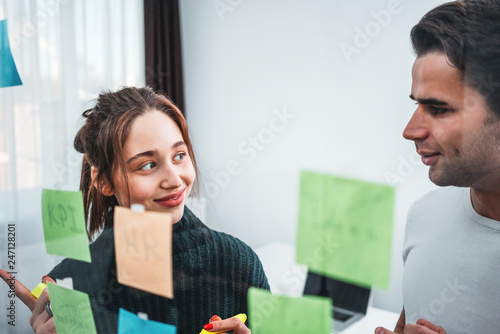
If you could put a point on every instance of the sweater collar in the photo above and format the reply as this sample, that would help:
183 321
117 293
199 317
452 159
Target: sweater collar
188 220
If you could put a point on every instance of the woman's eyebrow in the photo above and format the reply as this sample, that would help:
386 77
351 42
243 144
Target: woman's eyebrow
153 152
142 154
179 143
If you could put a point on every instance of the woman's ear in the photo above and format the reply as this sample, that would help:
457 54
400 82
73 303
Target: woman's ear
105 188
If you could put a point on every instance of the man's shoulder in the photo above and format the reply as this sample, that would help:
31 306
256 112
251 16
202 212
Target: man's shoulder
441 196
438 205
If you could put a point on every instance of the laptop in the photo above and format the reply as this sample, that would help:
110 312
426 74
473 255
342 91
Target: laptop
350 301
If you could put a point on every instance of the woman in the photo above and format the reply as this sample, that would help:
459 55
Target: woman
136 150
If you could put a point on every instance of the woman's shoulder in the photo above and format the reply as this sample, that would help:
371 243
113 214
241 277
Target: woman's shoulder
226 239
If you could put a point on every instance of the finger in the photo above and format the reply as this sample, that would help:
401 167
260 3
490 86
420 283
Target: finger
215 318
47 278
21 291
49 327
233 324
40 303
382 330
431 326
39 315
37 321
419 329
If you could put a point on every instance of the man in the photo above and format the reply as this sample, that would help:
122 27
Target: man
451 252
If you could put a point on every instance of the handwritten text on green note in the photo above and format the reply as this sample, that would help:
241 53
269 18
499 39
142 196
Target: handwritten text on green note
345 228
64 225
72 311
284 315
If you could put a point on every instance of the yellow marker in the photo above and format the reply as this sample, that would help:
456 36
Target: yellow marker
37 291
241 316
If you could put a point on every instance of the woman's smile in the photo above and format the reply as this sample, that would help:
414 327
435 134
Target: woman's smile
172 200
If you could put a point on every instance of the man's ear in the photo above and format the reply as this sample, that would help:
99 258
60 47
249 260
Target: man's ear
105 188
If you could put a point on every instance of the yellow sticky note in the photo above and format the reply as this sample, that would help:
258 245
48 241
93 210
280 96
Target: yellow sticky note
143 245
37 291
241 316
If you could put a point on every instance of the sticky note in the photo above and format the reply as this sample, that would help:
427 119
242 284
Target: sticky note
281 314
37 291
143 248
64 225
72 311
129 323
345 228
8 71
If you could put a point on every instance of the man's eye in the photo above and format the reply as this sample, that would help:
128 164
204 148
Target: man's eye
180 156
148 166
438 110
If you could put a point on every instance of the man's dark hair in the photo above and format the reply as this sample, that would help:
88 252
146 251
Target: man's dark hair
468 33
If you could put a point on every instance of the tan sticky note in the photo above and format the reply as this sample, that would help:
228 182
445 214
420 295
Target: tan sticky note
143 246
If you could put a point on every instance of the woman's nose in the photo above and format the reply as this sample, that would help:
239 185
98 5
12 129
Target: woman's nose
170 177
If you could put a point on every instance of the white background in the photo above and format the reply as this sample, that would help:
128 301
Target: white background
242 63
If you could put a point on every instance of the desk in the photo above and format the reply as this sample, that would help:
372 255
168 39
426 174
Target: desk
374 318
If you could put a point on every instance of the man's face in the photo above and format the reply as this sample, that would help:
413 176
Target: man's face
452 127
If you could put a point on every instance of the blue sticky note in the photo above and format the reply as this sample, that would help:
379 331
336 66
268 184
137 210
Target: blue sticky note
8 71
129 323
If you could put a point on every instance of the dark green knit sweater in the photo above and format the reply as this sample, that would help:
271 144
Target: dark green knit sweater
212 274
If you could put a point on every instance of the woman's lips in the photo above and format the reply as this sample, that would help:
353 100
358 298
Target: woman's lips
171 201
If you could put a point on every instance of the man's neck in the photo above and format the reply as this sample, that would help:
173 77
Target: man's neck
486 202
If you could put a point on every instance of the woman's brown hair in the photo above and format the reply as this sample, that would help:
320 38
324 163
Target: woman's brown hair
101 140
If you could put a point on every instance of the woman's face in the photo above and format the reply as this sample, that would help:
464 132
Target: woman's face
159 170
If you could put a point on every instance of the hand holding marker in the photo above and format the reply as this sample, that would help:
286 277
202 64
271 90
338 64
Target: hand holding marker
39 306
216 323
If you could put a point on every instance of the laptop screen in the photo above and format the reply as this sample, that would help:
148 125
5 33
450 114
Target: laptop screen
345 295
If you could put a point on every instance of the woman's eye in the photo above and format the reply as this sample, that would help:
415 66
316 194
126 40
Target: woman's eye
180 156
148 166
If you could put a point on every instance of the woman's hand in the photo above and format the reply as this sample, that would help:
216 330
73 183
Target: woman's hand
216 324
40 320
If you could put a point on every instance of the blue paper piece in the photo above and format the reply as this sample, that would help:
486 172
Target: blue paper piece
129 323
8 71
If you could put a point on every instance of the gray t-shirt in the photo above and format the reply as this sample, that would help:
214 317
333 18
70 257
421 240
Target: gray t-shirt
452 264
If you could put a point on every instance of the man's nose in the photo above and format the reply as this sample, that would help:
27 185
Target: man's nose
417 128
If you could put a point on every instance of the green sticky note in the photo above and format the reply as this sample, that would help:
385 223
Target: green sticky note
72 311
345 228
64 225
277 314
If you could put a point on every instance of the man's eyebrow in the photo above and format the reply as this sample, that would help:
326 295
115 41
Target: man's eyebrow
429 100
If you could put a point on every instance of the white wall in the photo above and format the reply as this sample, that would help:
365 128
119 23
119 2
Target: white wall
247 60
